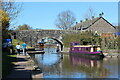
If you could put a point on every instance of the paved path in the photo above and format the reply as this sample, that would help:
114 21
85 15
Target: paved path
23 69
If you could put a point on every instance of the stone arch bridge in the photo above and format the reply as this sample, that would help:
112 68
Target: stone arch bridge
34 36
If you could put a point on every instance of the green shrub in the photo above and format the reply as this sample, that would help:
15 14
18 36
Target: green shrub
84 38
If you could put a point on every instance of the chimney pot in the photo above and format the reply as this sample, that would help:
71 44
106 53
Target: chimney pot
100 15
92 17
76 22
81 21
86 19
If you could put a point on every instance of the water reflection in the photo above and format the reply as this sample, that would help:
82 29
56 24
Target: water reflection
74 66
92 68
50 57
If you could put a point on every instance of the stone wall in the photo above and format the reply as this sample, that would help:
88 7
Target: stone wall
101 26
33 36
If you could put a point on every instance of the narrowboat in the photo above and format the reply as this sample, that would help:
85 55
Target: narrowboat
39 46
89 51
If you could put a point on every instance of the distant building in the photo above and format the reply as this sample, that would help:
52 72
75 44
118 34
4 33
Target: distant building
99 25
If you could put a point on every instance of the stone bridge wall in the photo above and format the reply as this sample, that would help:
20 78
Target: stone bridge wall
32 36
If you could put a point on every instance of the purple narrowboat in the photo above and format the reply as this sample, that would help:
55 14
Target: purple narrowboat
90 51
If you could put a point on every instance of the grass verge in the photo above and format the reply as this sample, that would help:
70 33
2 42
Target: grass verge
8 59
15 41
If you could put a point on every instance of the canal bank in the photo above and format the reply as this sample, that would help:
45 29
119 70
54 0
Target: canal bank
24 69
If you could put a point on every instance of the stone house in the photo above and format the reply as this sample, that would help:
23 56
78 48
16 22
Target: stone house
99 25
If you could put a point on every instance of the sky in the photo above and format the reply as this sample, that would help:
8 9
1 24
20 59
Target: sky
42 15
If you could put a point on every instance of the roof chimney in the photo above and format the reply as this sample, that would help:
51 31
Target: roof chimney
92 17
86 19
81 21
100 15
76 22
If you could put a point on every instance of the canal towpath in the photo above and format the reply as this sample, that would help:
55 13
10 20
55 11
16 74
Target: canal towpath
24 69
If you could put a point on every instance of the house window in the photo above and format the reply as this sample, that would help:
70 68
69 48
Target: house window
75 28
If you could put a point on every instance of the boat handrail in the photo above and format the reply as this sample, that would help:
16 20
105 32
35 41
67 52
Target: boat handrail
85 45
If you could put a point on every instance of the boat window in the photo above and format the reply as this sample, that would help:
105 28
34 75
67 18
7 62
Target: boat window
82 49
95 49
87 49
76 44
72 48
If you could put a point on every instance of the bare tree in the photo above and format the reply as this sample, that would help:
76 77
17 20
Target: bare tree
12 8
90 12
65 20
24 27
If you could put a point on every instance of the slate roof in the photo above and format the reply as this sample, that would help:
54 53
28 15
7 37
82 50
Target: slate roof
88 23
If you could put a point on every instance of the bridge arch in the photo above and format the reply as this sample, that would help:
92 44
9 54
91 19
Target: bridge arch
58 41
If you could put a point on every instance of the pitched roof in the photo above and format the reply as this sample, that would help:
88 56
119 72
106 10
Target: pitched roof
88 23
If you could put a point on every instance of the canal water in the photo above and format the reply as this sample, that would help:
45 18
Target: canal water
55 66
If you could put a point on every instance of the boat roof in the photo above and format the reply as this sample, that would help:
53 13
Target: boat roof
86 45
41 42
